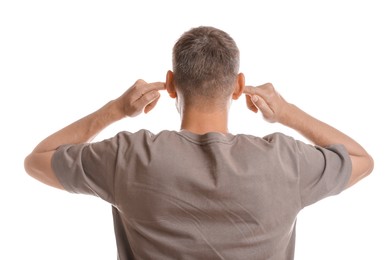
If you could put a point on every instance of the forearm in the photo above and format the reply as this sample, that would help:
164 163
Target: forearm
318 132
83 130
323 135
38 163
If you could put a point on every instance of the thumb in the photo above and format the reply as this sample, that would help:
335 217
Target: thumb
260 103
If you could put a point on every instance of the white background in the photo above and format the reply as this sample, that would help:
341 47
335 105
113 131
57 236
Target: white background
60 60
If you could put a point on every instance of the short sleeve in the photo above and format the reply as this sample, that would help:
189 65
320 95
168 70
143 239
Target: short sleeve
88 168
323 172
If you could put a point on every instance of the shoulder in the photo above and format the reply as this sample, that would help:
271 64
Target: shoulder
130 136
289 144
272 140
143 137
279 137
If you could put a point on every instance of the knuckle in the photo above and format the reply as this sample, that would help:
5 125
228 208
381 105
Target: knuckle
138 86
139 82
269 86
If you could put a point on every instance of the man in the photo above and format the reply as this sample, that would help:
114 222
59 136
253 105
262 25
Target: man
202 193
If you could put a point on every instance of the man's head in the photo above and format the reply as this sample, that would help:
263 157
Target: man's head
205 68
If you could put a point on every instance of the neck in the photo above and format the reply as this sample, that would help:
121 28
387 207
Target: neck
199 121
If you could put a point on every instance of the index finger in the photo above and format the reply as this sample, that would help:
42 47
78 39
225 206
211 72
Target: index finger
153 86
249 90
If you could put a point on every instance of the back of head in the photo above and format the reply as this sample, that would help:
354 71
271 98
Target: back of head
205 64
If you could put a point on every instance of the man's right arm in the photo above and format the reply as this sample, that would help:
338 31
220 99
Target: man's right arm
275 109
140 97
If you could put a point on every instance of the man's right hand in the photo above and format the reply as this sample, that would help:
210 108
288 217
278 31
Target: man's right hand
142 96
266 99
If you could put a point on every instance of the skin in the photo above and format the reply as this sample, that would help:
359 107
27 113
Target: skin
274 108
143 96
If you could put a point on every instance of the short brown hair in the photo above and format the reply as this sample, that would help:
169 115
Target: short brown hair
205 63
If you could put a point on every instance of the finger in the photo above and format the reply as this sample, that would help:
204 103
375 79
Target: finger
141 88
152 86
249 90
151 105
250 104
260 103
146 99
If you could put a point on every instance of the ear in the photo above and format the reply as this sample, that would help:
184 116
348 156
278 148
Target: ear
239 88
171 89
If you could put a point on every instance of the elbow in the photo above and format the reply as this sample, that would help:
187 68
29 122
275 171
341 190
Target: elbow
38 166
28 165
33 166
367 166
362 166
370 165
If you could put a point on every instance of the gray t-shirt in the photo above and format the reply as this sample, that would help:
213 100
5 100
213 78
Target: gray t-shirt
178 195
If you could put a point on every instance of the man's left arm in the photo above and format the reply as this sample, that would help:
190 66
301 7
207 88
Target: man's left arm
140 97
